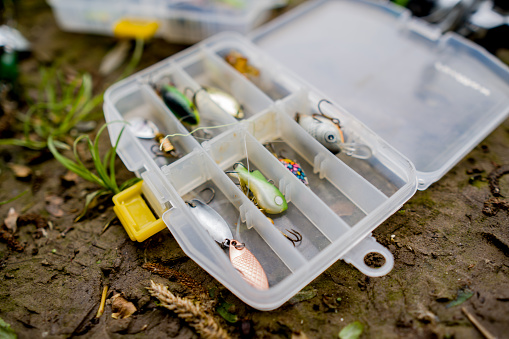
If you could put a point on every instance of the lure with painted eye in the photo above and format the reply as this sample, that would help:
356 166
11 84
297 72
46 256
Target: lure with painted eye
327 131
266 195
180 105
241 258
323 130
224 100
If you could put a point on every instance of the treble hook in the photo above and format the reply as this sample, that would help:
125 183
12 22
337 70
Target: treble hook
211 190
203 190
195 93
297 235
334 120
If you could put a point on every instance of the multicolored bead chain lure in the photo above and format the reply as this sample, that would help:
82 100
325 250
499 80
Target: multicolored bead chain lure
295 169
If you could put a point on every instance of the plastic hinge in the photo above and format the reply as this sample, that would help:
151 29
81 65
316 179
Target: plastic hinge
135 215
369 245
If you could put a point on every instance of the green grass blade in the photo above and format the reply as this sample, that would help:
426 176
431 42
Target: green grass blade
128 183
35 145
75 148
12 199
113 178
71 165
91 202
27 120
101 171
135 59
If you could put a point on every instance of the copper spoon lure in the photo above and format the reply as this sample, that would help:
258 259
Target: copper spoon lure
241 258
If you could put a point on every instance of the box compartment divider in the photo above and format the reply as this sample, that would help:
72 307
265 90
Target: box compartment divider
200 165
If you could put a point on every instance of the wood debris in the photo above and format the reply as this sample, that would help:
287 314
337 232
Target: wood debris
100 311
8 238
493 205
478 324
494 177
32 218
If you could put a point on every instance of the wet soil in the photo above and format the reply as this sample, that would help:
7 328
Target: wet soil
443 243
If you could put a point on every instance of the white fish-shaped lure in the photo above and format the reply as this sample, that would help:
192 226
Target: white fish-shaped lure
330 135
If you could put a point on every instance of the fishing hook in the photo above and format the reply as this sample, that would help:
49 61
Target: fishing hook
297 235
213 194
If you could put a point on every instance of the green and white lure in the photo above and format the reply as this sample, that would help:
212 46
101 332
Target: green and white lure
265 195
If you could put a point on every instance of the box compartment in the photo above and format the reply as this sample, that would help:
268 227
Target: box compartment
347 198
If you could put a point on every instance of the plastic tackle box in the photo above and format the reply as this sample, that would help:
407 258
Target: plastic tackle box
184 21
418 99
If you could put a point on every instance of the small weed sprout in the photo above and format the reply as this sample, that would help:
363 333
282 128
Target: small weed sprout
60 105
104 177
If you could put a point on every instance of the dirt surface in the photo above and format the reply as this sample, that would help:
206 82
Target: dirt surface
53 270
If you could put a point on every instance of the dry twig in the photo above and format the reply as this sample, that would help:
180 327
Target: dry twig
100 311
478 325
192 313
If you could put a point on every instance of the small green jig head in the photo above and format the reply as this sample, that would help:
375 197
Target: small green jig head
180 105
266 196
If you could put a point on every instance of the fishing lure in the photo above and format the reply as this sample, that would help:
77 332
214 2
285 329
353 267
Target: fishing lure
224 100
240 257
164 147
241 64
327 131
295 169
265 195
291 165
143 128
183 108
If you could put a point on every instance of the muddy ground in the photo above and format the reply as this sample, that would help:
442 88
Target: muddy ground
444 245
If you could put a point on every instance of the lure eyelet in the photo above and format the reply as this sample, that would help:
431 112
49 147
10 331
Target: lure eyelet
237 245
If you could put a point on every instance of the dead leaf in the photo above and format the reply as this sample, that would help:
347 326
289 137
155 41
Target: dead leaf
120 307
20 171
10 221
70 178
53 204
115 57
299 335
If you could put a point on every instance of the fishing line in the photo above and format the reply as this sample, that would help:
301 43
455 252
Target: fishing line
195 130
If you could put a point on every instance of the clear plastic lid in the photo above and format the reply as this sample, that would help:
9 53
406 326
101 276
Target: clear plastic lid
431 96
